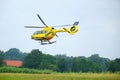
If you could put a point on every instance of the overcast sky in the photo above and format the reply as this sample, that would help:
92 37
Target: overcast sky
99 28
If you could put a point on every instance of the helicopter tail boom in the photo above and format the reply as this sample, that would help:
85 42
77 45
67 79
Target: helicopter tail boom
72 29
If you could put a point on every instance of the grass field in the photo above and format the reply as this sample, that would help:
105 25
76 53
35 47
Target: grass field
60 76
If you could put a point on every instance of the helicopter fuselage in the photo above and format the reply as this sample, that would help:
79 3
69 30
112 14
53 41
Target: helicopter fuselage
48 33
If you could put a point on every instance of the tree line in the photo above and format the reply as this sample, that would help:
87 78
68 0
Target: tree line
61 63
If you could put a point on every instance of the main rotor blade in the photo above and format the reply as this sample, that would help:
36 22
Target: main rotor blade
62 25
33 27
41 20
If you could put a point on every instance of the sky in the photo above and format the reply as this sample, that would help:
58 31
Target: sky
99 27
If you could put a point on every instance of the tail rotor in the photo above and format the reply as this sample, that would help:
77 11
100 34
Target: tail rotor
74 28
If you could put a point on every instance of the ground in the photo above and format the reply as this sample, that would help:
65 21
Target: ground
60 76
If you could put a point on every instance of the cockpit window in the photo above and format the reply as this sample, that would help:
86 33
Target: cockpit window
41 32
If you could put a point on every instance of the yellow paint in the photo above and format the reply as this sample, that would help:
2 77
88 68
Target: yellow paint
49 32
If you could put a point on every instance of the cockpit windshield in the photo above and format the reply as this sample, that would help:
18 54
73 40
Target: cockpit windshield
41 32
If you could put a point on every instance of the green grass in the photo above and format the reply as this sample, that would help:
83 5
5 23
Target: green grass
60 76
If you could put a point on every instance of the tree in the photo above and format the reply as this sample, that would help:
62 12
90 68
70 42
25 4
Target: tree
1 58
81 64
114 65
100 64
33 59
61 65
14 54
48 62
68 61
96 68
75 65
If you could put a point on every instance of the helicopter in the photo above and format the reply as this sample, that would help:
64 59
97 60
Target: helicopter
48 32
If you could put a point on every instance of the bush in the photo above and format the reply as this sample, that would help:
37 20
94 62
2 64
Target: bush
7 69
118 72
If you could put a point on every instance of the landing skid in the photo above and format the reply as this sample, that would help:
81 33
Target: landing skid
47 42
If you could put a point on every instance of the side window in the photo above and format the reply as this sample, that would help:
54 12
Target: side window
35 32
45 31
39 32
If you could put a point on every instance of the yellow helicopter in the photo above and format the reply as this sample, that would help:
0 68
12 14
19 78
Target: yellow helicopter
48 32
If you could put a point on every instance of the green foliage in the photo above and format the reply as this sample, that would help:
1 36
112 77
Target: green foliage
100 64
118 72
33 59
37 60
1 58
6 69
68 62
82 64
48 62
14 54
61 63
114 65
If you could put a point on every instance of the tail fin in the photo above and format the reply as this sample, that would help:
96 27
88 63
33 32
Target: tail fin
76 23
73 29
